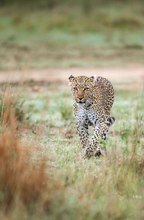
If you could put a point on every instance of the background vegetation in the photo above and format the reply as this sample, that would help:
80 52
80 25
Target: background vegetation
63 33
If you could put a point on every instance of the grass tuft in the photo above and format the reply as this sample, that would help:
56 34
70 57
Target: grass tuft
11 103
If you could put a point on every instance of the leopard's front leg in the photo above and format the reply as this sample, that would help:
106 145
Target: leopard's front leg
83 134
82 125
94 149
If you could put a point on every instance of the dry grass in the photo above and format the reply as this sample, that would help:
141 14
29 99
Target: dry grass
10 104
23 181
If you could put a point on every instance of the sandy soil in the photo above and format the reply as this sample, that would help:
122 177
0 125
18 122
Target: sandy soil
119 75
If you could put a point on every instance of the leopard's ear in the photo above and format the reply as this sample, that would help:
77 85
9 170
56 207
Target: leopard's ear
71 78
92 77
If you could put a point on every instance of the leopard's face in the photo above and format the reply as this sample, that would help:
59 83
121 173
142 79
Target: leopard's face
81 87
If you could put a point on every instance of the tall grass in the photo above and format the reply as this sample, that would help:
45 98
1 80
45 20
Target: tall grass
19 178
23 181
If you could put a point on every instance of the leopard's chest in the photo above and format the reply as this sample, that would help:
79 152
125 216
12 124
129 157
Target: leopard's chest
92 116
88 114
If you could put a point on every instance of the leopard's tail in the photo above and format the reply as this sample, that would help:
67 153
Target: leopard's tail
110 120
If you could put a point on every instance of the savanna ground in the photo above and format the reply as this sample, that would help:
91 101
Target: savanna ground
43 174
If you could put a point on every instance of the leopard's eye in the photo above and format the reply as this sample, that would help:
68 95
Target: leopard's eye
86 89
75 88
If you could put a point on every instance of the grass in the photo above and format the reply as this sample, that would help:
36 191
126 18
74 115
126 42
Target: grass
70 36
63 185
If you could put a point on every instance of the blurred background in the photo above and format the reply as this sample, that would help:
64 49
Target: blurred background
71 33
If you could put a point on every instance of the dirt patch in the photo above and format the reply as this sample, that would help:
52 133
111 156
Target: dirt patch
118 75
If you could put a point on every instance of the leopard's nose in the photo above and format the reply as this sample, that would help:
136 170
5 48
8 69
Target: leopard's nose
80 99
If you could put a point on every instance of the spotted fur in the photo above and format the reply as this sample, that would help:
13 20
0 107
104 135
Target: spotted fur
93 100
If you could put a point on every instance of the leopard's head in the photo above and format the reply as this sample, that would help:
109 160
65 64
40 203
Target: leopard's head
82 87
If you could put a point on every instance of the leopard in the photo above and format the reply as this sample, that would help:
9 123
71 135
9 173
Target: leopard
93 101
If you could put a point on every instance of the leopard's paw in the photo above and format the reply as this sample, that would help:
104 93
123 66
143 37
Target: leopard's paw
98 152
88 153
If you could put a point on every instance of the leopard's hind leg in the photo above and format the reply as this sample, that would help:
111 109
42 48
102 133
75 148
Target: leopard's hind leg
109 122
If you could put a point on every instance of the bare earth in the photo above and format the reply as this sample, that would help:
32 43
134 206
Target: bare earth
132 75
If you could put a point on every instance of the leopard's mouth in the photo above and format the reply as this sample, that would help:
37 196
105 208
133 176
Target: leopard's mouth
87 102
80 101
